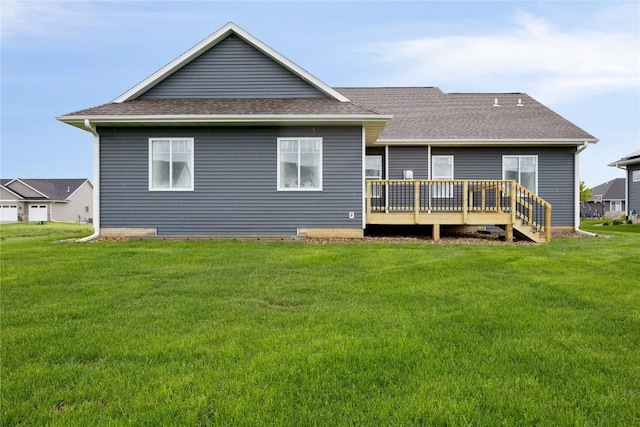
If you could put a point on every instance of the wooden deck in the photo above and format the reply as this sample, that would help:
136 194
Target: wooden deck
459 202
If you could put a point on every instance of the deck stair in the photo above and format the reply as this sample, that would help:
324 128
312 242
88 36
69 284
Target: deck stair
502 203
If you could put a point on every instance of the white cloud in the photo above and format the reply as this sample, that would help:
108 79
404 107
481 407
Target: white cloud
531 56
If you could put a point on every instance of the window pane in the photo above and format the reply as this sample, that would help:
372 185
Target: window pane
442 167
288 164
309 164
160 164
373 167
181 164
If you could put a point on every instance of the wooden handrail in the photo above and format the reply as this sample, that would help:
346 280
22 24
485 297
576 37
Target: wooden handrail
460 197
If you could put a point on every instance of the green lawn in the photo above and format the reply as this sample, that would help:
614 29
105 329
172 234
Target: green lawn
284 334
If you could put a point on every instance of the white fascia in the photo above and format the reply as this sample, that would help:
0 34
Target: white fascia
224 119
483 142
211 41
8 190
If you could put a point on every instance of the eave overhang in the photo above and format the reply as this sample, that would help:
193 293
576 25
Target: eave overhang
622 164
488 142
373 124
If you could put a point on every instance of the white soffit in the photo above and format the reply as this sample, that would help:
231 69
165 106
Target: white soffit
213 40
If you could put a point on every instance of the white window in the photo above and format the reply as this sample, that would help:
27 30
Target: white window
300 164
442 168
171 164
373 170
636 176
616 205
522 169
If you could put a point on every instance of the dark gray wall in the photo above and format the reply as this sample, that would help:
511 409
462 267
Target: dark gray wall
555 170
633 190
235 182
414 158
233 69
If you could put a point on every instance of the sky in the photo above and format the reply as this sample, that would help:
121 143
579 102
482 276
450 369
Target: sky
580 58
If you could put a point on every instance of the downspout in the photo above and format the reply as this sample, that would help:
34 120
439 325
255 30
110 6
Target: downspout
96 182
577 192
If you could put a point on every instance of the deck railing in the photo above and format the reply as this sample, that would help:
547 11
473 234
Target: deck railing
466 197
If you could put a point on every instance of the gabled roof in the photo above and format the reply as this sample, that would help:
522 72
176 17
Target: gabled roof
211 41
610 190
426 114
400 115
50 189
630 159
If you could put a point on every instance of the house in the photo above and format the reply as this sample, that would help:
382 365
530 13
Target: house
231 138
34 200
631 164
607 199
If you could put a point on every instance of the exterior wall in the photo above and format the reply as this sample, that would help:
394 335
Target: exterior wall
235 183
633 196
414 158
555 170
75 210
233 69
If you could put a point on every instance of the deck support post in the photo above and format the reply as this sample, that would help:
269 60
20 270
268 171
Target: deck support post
508 233
547 223
416 202
436 232
465 201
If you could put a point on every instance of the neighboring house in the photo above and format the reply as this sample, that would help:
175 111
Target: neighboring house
631 164
69 200
232 138
607 199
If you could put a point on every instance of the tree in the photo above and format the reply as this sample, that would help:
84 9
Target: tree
585 192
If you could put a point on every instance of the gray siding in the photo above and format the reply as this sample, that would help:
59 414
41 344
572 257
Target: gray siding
233 69
634 190
235 182
414 158
555 170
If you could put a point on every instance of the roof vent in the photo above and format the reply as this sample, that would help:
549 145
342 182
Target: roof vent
519 104
68 189
495 102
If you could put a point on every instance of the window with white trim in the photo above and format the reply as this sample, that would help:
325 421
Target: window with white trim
441 169
636 176
171 164
373 170
522 169
616 205
299 164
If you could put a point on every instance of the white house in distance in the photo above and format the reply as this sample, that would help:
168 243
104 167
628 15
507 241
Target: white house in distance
67 200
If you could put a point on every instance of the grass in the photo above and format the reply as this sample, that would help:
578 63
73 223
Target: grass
250 334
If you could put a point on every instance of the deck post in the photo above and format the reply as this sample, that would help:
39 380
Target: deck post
465 200
436 232
416 201
368 195
508 233
547 223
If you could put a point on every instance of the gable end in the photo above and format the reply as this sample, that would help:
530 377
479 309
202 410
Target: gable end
233 69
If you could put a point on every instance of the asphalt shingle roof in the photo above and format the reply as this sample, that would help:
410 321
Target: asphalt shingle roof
54 189
610 190
215 106
428 113
419 113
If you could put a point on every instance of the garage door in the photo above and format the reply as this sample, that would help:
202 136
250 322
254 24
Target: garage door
8 213
38 213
